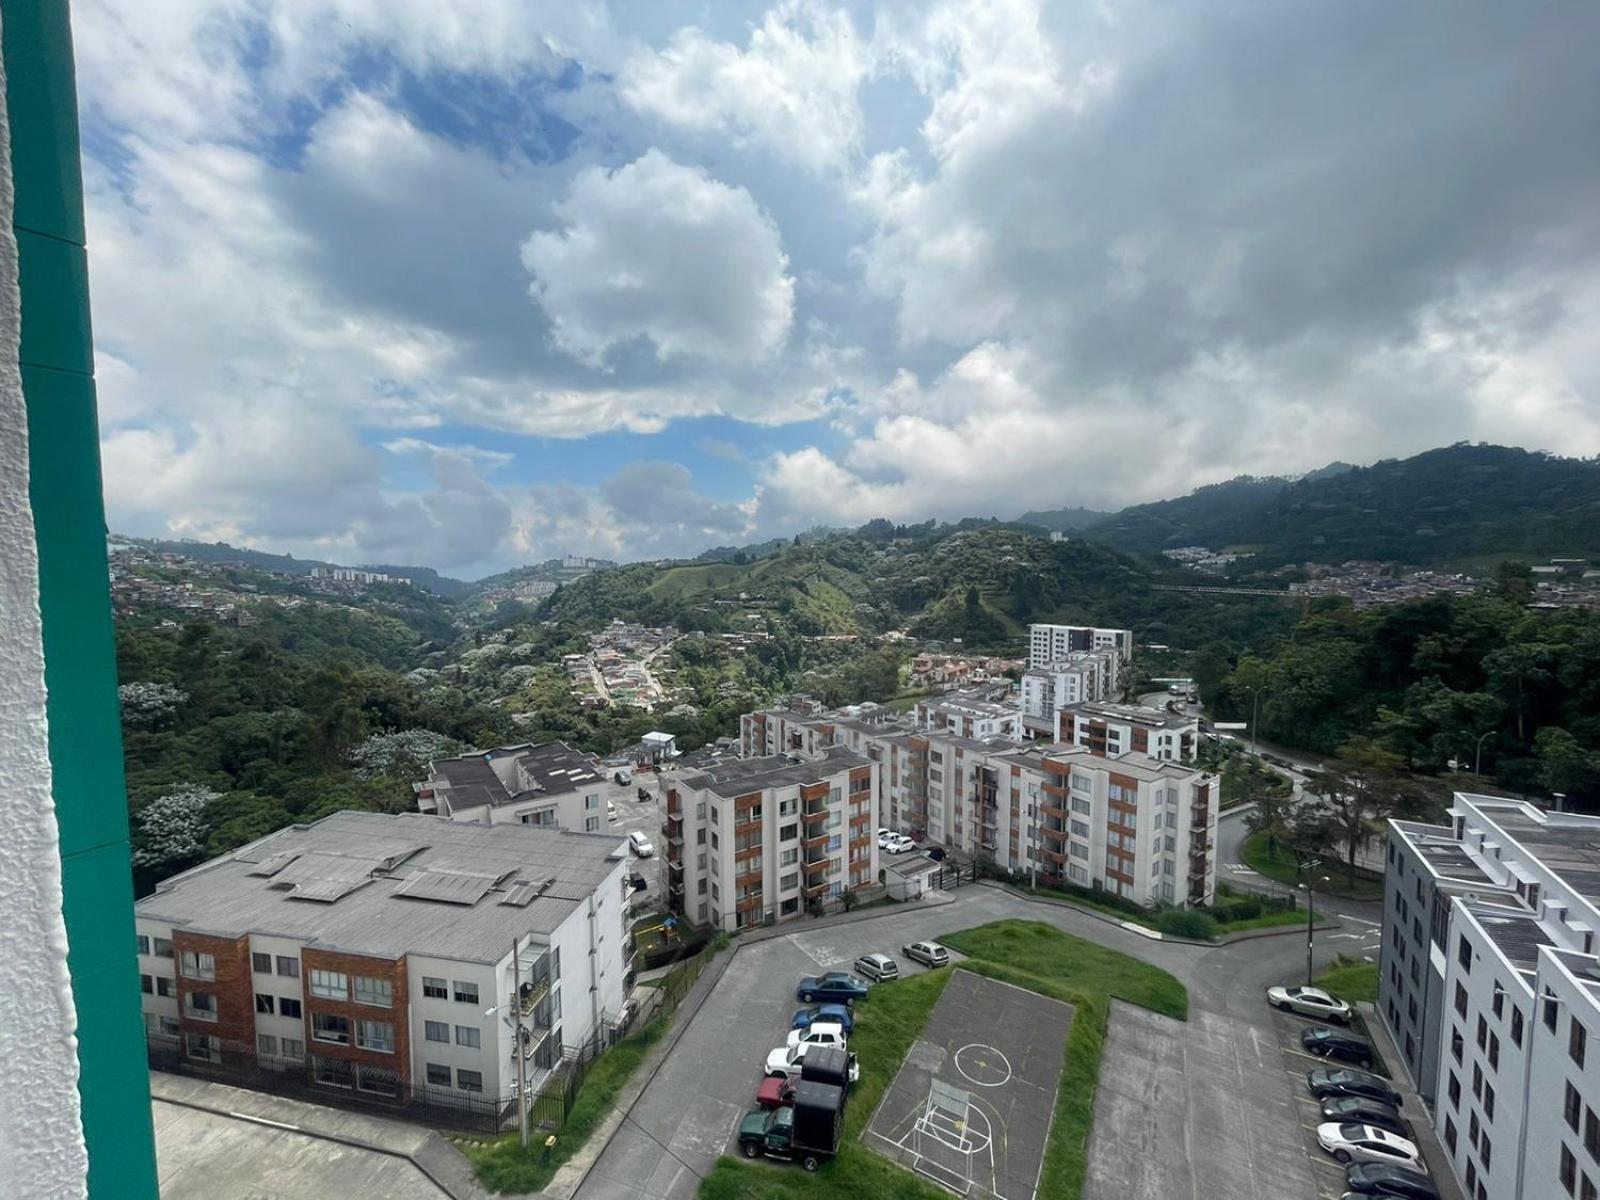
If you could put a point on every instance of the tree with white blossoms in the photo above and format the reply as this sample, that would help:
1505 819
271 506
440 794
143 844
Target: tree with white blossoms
405 753
145 704
173 828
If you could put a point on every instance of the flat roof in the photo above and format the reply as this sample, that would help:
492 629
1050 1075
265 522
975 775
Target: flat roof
1444 856
392 884
741 776
1514 930
1135 713
1566 843
555 768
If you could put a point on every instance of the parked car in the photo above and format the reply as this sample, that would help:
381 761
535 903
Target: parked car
839 1014
877 967
823 1033
937 853
1351 1141
806 1132
611 811
1310 1002
1368 1112
897 843
640 845
929 954
1338 1081
1330 1043
841 987
623 776
1387 1179
883 836
788 1060
636 881
775 1091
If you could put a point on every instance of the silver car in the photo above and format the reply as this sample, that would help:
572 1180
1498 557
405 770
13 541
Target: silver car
877 967
1310 1002
929 954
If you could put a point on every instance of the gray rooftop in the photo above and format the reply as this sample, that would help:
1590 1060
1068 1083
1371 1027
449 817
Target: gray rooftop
1567 844
387 885
744 775
1515 930
1135 713
1436 845
555 768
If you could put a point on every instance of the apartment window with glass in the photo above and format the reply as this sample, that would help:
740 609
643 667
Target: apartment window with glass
200 1005
291 1048
1461 1000
203 1046
266 1045
289 1006
329 985
165 986
198 965
379 993
261 964
1577 1041
1571 1107
436 1031
264 1004
1453 1090
466 993
434 988
330 1027
162 947
375 1035
144 944
438 1076
469 1081
469 1036
1550 1013
1591 1134
1568 1171
1516 1026
288 966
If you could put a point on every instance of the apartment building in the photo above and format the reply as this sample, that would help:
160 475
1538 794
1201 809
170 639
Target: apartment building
987 714
366 951
1111 730
756 839
549 785
1490 984
1080 678
1056 643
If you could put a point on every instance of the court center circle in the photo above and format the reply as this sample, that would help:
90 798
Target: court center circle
983 1066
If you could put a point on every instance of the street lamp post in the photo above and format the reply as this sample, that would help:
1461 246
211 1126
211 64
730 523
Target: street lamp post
1307 865
1477 751
515 1024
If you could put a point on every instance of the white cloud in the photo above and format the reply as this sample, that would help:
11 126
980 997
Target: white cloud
665 252
793 89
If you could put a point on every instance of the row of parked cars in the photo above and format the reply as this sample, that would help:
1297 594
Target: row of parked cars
806 1081
1361 1126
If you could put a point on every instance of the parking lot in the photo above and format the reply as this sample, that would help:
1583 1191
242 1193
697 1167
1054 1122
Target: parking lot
645 817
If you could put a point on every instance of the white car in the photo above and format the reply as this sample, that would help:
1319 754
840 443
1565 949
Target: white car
883 836
640 845
897 843
1310 1002
611 811
787 1060
819 1033
1351 1142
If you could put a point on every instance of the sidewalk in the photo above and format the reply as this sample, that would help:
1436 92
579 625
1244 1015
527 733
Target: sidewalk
1422 1131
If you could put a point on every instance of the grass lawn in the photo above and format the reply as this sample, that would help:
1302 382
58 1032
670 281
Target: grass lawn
1282 867
1152 920
1351 979
1056 965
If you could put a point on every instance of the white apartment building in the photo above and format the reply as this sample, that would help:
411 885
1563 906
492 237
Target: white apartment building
1112 730
1080 678
970 715
1056 643
365 950
550 785
752 840
1490 983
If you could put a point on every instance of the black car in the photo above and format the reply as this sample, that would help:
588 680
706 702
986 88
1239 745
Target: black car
1340 1082
637 882
1383 1179
1365 1112
1331 1043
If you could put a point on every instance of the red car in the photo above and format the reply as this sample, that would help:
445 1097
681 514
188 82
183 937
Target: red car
775 1092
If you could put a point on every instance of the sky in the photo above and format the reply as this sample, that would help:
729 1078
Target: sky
472 283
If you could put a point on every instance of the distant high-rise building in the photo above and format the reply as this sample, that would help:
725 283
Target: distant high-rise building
1057 643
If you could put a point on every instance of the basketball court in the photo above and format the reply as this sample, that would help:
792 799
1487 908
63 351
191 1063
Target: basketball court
971 1106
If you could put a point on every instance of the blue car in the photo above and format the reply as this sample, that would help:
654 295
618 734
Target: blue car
840 987
805 1017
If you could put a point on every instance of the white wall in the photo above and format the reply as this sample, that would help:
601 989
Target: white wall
493 1037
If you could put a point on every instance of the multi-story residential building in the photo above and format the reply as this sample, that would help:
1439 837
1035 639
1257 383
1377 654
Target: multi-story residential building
758 839
1111 730
971 715
1490 984
1055 643
549 785
366 950
1083 677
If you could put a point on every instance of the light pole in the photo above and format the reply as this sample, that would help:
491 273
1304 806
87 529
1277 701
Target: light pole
1477 751
1307 865
1255 710
516 1037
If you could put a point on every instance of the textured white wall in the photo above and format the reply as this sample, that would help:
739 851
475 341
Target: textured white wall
41 1138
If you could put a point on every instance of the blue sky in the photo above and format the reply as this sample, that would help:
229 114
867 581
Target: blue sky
468 284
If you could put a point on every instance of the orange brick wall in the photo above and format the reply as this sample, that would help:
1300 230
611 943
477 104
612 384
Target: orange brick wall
398 1015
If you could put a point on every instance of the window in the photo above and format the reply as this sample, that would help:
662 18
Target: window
375 1035
1499 1000
789 882
436 1031
203 1046
466 993
199 965
469 1081
1494 1051
289 1006
1483 1031
1488 1102
162 947
434 988
330 985
1591 1134
1550 1010
469 1036
1450 1134
591 824
144 944
266 1046
288 966
1569 1171
147 984
330 1027
1463 953
438 1076
377 1081
335 1072
1483 1151
264 1004
1577 1041
1461 1000
1571 1107
788 858
788 833
1586 1190
291 1048
1454 1091
200 1005
1456 1043
1477 1080
164 986
1516 1026
379 993
260 963
170 1027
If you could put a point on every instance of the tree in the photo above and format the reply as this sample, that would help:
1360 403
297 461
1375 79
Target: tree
172 829
1275 814
1354 795
1518 672
1563 765
1513 581
403 754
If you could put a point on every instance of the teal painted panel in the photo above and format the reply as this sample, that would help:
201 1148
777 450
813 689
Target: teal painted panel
116 1099
55 303
42 102
79 645
98 903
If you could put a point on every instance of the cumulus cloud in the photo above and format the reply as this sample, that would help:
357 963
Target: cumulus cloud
665 252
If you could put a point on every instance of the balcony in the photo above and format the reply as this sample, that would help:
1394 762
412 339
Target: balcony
1054 856
750 879
812 841
813 891
1053 812
749 827
820 814
813 865
748 904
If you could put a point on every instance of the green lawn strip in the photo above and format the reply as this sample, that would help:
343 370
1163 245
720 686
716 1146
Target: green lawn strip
1269 920
504 1166
1351 979
1177 925
1282 867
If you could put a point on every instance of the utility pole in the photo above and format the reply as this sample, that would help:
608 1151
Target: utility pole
1307 866
516 1038
1255 709
1477 754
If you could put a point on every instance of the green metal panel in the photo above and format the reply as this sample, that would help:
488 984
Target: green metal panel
74 598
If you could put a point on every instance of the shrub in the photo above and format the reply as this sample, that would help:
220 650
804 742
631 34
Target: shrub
1181 923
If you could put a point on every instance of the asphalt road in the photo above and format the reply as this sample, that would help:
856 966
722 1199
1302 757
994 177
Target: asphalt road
687 1113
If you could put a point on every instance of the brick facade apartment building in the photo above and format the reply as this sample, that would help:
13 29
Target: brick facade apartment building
1489 982
366 950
